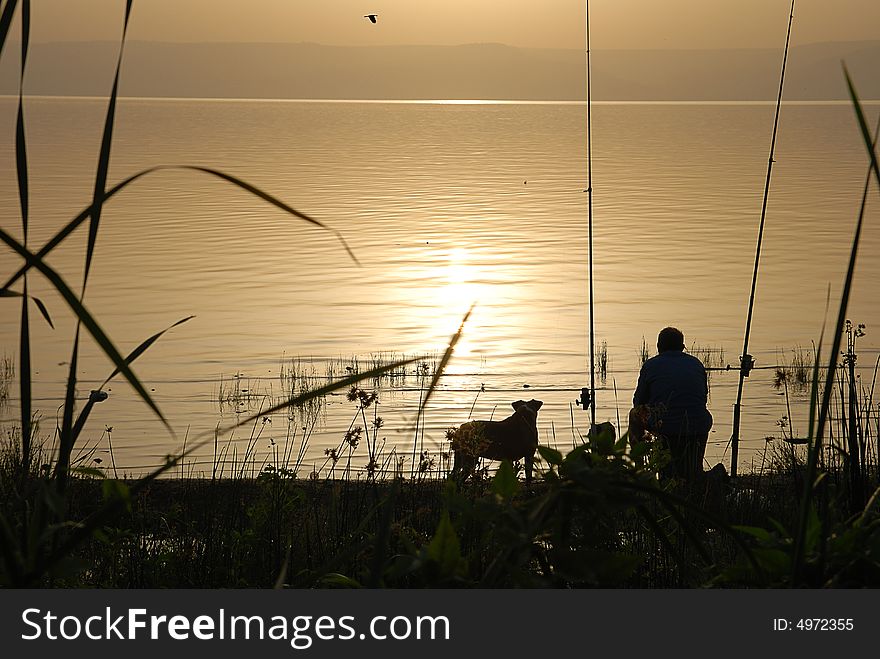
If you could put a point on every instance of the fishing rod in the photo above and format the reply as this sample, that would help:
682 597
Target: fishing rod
588 396
746 361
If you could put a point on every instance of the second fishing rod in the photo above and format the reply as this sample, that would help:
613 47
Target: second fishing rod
747 362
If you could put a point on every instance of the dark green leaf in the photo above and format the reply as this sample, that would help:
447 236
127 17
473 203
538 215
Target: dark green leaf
761 534
69 567
774 561
780 529
603 443
339 581
551 455
444 548
640 450
814 530
112 489
504 483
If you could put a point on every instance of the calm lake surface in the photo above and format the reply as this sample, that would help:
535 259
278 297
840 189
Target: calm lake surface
444 204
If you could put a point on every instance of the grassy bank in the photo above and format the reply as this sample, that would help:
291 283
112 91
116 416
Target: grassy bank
622 531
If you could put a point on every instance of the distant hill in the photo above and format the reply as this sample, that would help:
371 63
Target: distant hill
478 71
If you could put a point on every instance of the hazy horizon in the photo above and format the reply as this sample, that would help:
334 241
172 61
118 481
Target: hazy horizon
14 42
417 72
491 50
618 24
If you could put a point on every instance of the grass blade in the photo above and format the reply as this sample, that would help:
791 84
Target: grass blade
321 391
6 21
21 168
435 380
137 352
68 429
43 310
870 144
104 155
37 301
98 395
265 196
25 385
71 226
86 213
806 502
444 361
87 319
20 142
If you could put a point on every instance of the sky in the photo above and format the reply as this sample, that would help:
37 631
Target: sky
619 24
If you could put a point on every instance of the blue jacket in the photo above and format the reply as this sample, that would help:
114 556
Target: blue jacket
674 385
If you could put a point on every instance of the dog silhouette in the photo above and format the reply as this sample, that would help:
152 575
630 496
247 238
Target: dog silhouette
513 438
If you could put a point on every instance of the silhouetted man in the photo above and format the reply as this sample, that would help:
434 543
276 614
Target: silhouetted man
670 403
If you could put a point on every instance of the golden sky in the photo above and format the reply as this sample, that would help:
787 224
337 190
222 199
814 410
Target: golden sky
527 23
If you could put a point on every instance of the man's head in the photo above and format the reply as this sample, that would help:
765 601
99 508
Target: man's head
670 338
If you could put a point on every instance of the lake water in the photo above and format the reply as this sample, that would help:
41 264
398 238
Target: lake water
444 204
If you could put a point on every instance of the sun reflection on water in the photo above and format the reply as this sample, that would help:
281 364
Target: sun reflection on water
447 282
461 284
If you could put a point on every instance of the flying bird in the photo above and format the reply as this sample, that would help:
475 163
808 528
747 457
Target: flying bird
372 17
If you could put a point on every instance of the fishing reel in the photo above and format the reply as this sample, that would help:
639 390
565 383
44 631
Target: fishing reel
585 399
746 364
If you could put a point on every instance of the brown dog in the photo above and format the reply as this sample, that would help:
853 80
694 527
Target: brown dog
514 438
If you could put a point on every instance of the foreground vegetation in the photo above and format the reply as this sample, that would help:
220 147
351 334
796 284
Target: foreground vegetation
598 517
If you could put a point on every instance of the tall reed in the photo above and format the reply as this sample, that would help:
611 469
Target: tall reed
818 420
